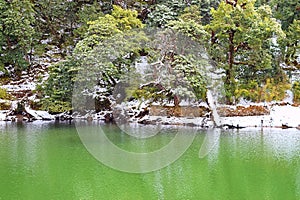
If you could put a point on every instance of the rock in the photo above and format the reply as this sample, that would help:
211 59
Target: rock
89 118
228 126
63 117
38 114
285 126
108 117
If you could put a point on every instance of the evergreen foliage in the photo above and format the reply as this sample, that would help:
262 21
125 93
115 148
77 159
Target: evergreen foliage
241 42
296 91
16 33
248 40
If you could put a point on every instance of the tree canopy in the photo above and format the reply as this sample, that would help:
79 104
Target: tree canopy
241 42
251 43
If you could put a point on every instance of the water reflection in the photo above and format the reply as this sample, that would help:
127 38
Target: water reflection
158 185
297 181
210 145
281 144
48 161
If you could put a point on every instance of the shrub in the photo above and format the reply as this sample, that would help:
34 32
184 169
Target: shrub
296 92
4 95
54 107
270 91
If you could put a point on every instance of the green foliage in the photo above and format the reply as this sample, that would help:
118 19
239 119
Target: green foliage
4 95
164 12
4 105
57 91
85 14
151 92
205 7
241 38
192 74
54 107
189 24
56 19
16 31
110 46
106 37
126 19
106 26
270 91
177 69
191 63
296 92
291 45
287 11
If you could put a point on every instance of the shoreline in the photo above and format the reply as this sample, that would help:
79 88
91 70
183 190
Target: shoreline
283 117
225 127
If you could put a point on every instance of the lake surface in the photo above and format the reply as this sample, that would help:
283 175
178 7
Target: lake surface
49 161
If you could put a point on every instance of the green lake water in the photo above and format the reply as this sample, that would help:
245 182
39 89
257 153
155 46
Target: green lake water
48 161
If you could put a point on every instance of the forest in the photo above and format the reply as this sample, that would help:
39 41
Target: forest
254 45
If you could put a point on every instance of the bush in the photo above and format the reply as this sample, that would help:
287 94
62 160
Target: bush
4 95
54 107
270 91
296 92
57 90
5 105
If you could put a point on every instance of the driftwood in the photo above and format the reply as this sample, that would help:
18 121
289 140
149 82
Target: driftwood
228 126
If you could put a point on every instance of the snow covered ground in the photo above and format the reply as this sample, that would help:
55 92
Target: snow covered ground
3 114
279 115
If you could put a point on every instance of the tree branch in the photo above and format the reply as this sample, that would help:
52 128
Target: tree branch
243 45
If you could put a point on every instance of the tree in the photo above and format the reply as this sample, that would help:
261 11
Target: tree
57 91
165 11
176 68
106 26
241 41
290 46
205 6
287 11
94 57
16 33
56 21
189 25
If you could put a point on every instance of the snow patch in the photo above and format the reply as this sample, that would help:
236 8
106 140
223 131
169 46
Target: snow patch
279 115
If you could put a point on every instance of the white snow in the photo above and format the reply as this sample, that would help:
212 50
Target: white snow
21 87
289 97
39 115
3 114
195 121
279 115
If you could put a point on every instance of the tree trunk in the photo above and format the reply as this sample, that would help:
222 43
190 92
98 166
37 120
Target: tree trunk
229 82
176 112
